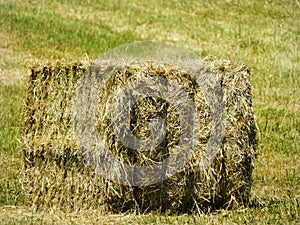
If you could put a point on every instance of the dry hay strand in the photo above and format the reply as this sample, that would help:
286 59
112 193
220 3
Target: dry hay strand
56 175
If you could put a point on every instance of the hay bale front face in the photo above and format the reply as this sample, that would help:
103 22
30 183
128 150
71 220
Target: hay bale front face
57 175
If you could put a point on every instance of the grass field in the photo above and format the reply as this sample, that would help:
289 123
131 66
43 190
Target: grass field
263 34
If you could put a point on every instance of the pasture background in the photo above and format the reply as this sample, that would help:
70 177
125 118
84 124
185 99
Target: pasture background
262 34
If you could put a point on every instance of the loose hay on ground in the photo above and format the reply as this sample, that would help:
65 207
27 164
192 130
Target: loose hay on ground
56 176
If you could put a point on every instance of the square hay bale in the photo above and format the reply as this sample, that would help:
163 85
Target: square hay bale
57 174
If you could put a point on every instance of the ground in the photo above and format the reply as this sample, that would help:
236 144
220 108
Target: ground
262 34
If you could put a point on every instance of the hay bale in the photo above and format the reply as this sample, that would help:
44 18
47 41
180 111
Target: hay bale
57 174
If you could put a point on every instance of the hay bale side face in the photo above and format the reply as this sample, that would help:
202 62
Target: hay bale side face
238 151
56 175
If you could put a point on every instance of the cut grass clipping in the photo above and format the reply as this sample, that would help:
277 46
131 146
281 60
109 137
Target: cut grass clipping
57 173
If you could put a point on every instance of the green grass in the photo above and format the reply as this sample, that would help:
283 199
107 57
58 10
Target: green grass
10 105
263 34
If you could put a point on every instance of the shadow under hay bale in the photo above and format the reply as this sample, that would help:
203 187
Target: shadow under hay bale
57 175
